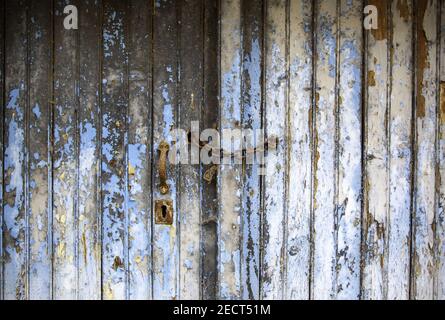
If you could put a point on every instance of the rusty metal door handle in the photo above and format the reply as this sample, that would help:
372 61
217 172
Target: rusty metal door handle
163 150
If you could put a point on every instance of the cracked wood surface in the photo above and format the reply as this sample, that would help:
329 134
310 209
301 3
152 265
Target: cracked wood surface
351 203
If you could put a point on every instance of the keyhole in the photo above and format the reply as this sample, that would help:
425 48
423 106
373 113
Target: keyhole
164 212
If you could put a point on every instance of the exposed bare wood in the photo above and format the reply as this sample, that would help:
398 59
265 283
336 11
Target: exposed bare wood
165 118
400 151
2 125
65 157
88 206
300 150
423 263
40 86
15 96
229 183
337 215
325 227
209 119
251 94
114 176
276 104
191 95
349 181
440 214
376 182
139 150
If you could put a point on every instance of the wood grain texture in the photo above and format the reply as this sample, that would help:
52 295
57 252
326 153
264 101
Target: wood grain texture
325 227
209 119
65 157
114 176
139 149
400 150
251 105
349 146
440 214
351 205
423 263
229 177
88 194
39 158
190 96
165 119
2 125
376 148
15 271
300 153
275 193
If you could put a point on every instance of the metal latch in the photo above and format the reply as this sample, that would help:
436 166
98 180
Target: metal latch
163 150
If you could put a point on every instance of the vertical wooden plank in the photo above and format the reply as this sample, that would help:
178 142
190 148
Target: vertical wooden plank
252 76
300 150
15 222
89 217
191 59
349 183
2 126
114 143
424 151
40 90
400 131
139 149
64 156
440 219
229 183
325 213
165 105
209 119
376 182
276 85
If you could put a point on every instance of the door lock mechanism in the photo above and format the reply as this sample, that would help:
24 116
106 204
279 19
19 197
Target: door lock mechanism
163 208
164 212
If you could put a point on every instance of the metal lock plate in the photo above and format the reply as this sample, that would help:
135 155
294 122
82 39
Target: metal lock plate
164 212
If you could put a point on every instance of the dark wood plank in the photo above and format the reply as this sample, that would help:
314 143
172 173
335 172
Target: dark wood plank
190 102
40 96
139 149
15 270
65 156
209 119
114 144
2 126
165 119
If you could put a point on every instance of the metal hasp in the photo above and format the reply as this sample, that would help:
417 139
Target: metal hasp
163 150
164 212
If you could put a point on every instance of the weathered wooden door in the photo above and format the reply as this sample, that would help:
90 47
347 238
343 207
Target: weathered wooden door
85 113
345 201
